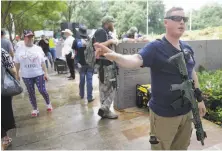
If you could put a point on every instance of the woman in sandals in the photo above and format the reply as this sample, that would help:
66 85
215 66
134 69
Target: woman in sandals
30 59
7 117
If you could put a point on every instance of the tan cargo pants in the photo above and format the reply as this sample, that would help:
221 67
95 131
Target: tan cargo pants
172 133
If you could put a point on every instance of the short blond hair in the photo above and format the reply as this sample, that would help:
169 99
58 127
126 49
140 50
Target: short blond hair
173 9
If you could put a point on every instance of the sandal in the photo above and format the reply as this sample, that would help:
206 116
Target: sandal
6 142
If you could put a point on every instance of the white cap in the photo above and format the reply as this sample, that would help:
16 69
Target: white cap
67 31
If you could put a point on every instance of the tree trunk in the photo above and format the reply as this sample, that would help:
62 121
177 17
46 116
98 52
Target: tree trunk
18 26
5 14
21 27
9 27
69 16
10 33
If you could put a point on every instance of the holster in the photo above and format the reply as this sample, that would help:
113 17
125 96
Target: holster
101 73
179 103
103 62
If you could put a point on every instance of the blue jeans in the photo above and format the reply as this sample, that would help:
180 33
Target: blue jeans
86 72
76 61
53 53
50 60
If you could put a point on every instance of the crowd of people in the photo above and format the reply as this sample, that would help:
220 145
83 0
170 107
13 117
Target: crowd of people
31 60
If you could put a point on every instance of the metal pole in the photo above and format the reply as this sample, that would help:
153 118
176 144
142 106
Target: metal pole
147 16
191 20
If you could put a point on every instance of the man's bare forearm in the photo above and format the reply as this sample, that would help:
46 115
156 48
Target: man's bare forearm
17 67
73 53
11 52
107 43
195 78
196 82
13 71
129 61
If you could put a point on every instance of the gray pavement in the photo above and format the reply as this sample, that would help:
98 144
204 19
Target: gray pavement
76 125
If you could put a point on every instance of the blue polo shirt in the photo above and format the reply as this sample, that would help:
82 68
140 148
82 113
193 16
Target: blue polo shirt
155 55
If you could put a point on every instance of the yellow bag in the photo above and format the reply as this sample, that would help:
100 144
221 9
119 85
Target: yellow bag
143 95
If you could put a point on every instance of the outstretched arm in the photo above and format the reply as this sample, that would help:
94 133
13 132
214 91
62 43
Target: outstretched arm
109 42
17 67
126 61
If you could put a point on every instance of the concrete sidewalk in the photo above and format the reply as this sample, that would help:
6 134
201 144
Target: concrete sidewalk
74 125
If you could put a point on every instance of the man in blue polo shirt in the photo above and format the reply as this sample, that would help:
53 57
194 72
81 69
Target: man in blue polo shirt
171 128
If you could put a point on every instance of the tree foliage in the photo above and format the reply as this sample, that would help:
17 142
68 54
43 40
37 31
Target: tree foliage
133 13
209 15
84 12
35 15
126 14
38 15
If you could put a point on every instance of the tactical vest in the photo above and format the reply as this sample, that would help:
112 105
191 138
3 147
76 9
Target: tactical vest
179 101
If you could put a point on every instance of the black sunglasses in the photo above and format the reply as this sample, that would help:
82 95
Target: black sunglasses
177 18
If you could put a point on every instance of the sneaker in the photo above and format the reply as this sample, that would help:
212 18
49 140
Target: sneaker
35 113
49 108
91 100
101 112
111 115
107 114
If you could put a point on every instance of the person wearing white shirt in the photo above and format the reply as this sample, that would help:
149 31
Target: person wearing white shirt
69 53
29 58
18 44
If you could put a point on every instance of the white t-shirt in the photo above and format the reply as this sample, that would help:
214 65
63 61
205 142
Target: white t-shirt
67 48
30 60
19 44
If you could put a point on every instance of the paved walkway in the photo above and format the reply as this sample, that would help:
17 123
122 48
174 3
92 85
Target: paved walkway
74 125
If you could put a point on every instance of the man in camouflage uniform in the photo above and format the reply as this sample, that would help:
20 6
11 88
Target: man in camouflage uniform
132 35
106 69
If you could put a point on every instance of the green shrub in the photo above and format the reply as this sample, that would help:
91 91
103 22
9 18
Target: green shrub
201 68
211 85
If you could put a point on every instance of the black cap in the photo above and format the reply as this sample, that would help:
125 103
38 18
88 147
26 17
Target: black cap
83 31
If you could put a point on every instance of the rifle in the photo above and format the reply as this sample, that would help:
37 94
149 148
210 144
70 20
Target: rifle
187 90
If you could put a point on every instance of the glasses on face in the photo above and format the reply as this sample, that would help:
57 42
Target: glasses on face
177 18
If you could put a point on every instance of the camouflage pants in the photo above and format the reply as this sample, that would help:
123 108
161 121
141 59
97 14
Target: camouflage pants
107 92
